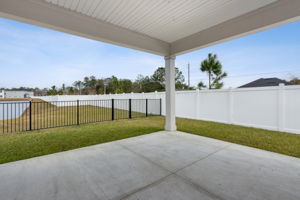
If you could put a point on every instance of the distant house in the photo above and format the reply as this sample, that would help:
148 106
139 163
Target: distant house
6 94
265 82
2 94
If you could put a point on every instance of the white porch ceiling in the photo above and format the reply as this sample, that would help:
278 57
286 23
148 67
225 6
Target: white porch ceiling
166 20
163 27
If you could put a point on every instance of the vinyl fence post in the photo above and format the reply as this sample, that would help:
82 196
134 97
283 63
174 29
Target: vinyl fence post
30 115
130 109
112 109
160 106
281 107
78 122
197 106
146 107
230 106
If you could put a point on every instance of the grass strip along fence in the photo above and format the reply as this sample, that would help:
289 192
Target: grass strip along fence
19 116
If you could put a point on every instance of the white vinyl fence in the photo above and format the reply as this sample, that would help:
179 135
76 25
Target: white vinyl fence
122 102
274 108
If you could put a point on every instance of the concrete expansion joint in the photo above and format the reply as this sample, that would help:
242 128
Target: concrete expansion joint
140 155
144 188
203 158
196 186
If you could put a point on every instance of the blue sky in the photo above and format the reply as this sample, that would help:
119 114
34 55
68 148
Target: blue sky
36 57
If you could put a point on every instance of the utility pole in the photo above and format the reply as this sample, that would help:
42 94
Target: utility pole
189 74
105 83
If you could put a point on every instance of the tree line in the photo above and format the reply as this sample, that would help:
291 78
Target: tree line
156 82
115 85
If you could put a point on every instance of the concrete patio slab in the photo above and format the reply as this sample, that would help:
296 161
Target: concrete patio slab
170 151
240 172
162 165
105 171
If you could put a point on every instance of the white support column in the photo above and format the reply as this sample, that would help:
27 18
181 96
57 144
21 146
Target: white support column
170 123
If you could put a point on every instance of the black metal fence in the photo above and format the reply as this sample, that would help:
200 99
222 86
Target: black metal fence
34 115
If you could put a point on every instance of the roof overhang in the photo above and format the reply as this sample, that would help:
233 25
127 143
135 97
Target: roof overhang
49 15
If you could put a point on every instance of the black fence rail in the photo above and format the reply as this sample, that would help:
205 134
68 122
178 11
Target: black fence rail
34 115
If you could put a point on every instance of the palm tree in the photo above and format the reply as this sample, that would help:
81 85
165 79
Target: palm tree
213 67
52 91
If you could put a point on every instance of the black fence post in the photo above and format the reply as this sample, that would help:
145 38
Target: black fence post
30 115
146 107
160 106
112 109
78 122
130 109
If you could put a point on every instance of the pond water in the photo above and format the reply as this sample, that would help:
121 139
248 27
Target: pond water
12 109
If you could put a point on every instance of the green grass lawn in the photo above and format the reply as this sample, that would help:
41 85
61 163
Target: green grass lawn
17 146
279 142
